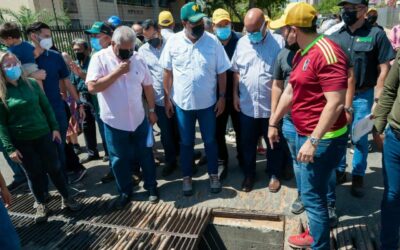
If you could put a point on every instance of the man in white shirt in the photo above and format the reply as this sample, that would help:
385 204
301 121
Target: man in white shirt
193 60
120 76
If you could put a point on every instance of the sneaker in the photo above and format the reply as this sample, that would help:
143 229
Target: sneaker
77 149
187 186
16 184
71 204
153 195
303 240
297 206
122 201
357 186
168 169
333 218
41 213
78 176
109 177
89 158
215 184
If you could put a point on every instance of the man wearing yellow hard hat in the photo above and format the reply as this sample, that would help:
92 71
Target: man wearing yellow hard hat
372 17
166 23
316 94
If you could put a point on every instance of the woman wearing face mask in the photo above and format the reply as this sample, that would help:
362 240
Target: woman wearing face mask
28 129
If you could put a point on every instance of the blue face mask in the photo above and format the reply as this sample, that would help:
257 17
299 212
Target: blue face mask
13 73
223 33
95 43
256 37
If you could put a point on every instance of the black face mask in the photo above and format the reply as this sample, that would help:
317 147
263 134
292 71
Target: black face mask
154 42
140 37
349 17
197 31
372 19
292 47
80 56
125 54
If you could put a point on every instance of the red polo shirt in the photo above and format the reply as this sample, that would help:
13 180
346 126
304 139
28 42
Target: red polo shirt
321 67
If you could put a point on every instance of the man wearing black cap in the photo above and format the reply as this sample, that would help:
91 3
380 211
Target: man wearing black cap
370 52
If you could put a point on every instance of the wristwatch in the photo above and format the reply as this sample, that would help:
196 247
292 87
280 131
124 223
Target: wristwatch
314 141
151 111
349 110
376 100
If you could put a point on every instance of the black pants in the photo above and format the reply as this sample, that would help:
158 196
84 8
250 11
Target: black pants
222 121
72 160
40 157
89 132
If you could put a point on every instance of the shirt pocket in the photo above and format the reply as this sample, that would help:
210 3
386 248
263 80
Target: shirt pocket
360 59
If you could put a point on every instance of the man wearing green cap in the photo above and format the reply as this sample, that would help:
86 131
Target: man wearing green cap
194 61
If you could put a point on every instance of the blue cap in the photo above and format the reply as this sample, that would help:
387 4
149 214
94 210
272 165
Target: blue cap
114 21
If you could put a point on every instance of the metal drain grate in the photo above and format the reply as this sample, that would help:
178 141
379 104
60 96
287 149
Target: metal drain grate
140 225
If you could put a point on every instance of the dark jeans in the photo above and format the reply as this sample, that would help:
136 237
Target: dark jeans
72 160
100 124
390 207
222 121
89 132
187 129
169 135
251 130
314 185
9 239
124 148
19 175
40 157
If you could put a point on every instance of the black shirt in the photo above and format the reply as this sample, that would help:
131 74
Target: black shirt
283 65
367 47
230 48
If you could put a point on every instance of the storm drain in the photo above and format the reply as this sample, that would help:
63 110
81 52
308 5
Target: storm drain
140 225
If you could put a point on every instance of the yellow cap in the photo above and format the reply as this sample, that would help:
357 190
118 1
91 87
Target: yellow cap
220 15
296 14
165 18
267 19
372 9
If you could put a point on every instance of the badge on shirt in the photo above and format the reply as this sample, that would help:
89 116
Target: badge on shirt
305 65
366 39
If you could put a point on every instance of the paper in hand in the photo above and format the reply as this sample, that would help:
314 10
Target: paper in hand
362 127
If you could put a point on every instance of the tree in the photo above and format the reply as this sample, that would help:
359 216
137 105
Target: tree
328 7
25 16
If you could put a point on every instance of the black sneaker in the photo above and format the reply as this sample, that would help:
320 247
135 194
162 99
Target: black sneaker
333 218
16 184
122 201
77 149
153 196
108 178
41 213
90 158
168 169
297 206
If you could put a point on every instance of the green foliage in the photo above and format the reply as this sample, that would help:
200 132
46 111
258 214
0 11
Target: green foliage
25 16
328 7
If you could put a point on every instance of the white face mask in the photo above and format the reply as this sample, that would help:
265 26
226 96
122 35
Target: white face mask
46 43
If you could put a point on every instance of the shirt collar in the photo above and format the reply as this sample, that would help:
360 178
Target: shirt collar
366 25
305 51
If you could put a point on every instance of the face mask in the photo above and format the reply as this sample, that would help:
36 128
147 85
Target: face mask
95 43
46 43
292 47
349 17
80 56
125 54
223 33
256 37
13 73
372 19
198 31
154 42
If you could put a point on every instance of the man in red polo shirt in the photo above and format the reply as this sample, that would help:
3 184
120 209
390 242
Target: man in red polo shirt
316 92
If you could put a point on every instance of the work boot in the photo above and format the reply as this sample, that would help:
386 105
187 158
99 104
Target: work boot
357 186
41 213
215 184
187 186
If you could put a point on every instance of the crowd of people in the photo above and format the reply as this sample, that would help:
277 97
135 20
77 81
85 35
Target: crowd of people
300 90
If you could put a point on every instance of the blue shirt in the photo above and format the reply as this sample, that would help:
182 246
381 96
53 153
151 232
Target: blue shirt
56 70
255 65
24 52
195 67
151 56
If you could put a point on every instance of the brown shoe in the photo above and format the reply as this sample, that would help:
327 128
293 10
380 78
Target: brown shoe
248 184
357 186
274 185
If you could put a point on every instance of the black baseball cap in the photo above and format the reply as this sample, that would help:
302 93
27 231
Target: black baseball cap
365 2
100 27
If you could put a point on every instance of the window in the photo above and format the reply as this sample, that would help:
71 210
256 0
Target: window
70 6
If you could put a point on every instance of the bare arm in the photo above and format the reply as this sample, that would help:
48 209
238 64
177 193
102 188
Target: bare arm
384 71
284 104
277 90
220 106
236 100
167 82
149 94
351 89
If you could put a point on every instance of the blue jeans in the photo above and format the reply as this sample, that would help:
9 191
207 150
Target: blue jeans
167 135
290 134
100 123
390 207
19 175
187 125
9 239
362 105
251 129
124 147
314 185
